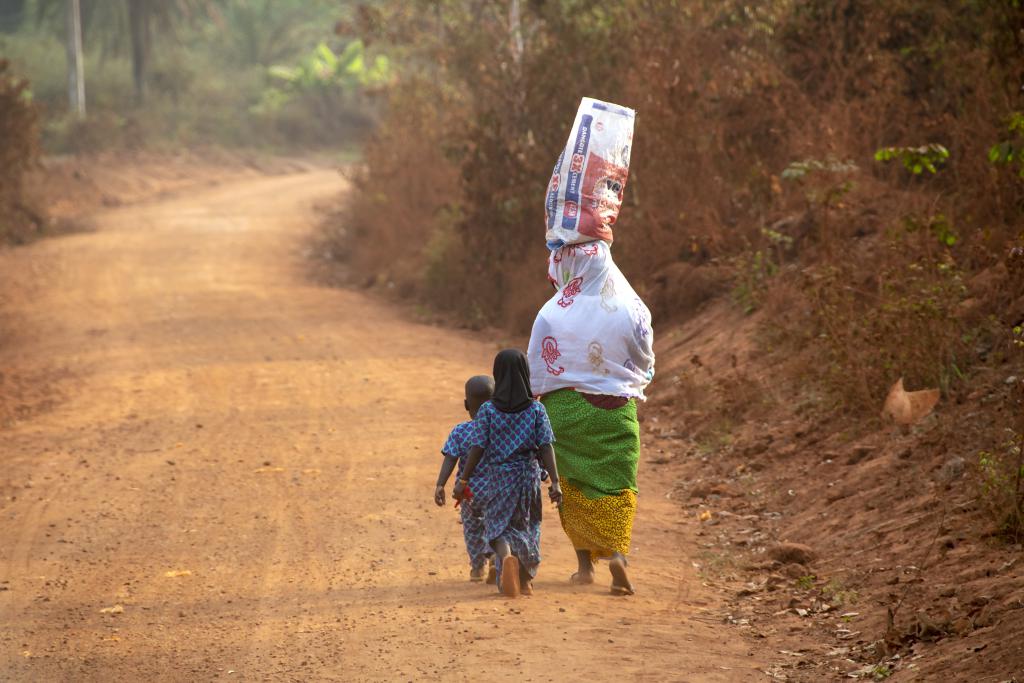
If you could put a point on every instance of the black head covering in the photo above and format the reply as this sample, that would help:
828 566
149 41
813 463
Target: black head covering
512 393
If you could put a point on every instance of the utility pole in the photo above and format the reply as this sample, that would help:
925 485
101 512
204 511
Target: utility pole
138 23
76 63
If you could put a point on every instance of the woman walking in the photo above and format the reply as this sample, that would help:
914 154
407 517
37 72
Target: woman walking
591 353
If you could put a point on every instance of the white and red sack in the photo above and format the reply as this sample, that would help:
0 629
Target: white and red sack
585 191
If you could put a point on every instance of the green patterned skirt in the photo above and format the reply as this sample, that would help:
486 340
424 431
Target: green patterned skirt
597 451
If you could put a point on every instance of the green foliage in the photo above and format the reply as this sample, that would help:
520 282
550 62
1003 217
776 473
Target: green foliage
1001 483
938 225
806 583
916 159
824 183
880 672
325 70
838 594
266 32
798 170
754 269
1011 152
207 75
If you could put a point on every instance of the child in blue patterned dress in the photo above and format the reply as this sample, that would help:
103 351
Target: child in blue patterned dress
478 390
502 473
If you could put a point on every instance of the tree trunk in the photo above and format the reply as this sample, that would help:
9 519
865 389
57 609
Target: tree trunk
138 22
76 64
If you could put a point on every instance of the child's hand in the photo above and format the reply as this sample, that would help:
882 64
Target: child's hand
555 494
439 496
459 492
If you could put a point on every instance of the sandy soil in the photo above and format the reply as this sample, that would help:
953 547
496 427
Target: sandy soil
213 469
906 579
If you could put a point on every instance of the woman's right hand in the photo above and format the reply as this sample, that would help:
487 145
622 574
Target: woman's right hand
459 492
555 493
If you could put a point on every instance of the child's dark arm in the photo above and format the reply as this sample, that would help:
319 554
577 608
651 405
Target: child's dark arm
472 460
447 466
547 456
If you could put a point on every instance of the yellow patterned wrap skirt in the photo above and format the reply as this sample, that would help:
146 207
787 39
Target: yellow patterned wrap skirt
601 525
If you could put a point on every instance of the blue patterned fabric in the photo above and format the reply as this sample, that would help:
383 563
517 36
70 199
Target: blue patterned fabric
472 516
455 446
508 488
505 435
473 531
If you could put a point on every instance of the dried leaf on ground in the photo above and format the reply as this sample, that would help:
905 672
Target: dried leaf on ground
907 407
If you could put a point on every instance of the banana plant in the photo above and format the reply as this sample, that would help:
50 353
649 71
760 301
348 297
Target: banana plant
322 69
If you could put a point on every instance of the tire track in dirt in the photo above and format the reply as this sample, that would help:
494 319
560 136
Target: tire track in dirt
278 440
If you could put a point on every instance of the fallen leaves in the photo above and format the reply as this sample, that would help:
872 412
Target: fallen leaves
116 609
907 407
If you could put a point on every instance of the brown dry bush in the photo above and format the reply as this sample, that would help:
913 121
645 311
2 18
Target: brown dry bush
999 470
18 130
753 165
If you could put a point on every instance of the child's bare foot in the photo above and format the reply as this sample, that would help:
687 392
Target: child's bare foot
620 579
525 581
510 576
476 574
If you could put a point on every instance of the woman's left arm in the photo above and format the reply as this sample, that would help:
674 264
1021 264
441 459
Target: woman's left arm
547 456
545 438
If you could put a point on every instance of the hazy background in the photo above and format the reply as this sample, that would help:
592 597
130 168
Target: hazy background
253 73
849 170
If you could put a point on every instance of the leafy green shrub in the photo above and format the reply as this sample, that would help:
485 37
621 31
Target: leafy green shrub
326 89
916 159
1011 152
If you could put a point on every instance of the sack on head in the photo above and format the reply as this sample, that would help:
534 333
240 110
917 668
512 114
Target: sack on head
585 191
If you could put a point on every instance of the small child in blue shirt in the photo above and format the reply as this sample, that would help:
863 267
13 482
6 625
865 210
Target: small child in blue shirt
507 438
478 391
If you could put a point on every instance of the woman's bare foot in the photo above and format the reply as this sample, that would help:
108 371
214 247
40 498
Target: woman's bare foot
492 573
476 574
526 588
584 576
582 579
620 579
510 576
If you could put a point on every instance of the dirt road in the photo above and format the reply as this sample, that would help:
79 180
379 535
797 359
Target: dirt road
219 470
